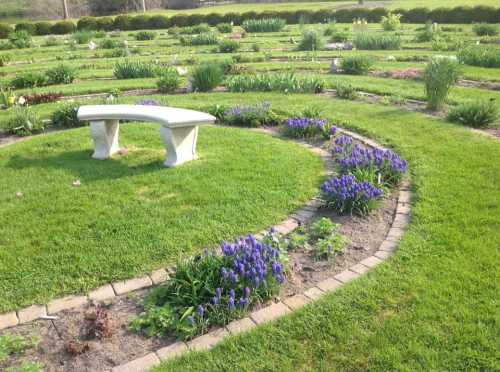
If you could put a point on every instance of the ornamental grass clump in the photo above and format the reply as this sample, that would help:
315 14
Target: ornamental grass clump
439 76
479 56
391 22
168 80
129 69
23 122
311 41
264 25
280 82
212 289
383 168
356 65
207 77
477 114
347 195
201 39
305 127
365 41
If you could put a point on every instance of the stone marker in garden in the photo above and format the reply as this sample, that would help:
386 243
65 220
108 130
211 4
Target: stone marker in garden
178 128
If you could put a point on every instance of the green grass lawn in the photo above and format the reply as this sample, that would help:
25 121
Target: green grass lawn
132 215
433 306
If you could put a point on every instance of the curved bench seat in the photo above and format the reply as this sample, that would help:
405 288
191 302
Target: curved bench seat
179 128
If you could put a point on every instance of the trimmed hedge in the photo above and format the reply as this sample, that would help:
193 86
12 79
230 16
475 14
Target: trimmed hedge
30 28
460 14
5 30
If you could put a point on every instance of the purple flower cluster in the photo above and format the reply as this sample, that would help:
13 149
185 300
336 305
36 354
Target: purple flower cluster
346 194
389 165
148 102
304 127
249 115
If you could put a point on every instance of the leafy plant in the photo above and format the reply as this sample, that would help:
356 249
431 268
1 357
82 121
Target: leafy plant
52 41
478 114
201 39
391 22
23 122
282 82
133 69
439 76
264 25
28 80
225 28
311 40
168 81
366 41
479 56
485 29
429 32
11 344
110 44
322 228
345 90
62 74
7 98
66 116
38 98
20 39
228 46
82 37
207 76
213 289
356 65
346 195
330 247
4 59
145 35
339 37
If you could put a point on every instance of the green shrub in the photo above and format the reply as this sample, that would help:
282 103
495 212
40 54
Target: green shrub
311 40
4 59
105 23
129 69
20 39
264 25
159 22
52 41
5 30
345 90
30 28
82 37
28 80
485 29
61 74
330 29
225 28
207 76
479 56
110 44
66 116
43 28
365 41
140 22
117 52
63 28
191 30
339 37
391 22
477 114
201 39
169 80
439 76
322 228
122 22
356 65
87 24
285 82
228 46
23 122
428 33
145 35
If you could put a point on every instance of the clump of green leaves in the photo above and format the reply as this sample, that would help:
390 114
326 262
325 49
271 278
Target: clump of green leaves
130 69
145 35
82 37
476 114
62 74
20 39
264 25
439 76
23 122
366 41
66 116
207 76
476 55
391 22
311 40
228 46
17 345
356 65
168 81
200 39
345 90
485 29
225 28
283 82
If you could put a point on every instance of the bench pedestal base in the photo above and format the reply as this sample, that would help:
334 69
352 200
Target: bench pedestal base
180 142
105 136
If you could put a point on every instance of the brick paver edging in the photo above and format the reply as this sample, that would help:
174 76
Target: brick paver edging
264 315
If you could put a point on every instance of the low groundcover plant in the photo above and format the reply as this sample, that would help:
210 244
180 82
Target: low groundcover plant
213 289
304 127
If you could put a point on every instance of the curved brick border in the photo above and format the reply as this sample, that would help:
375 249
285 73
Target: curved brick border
264 315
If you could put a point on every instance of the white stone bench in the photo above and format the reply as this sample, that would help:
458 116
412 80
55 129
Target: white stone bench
179 128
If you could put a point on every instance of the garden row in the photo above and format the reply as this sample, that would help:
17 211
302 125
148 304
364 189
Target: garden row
126 22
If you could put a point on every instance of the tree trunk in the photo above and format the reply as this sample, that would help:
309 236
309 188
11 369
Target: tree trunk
144 6
65 9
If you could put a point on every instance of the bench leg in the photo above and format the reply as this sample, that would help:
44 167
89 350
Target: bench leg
105 136
180 143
